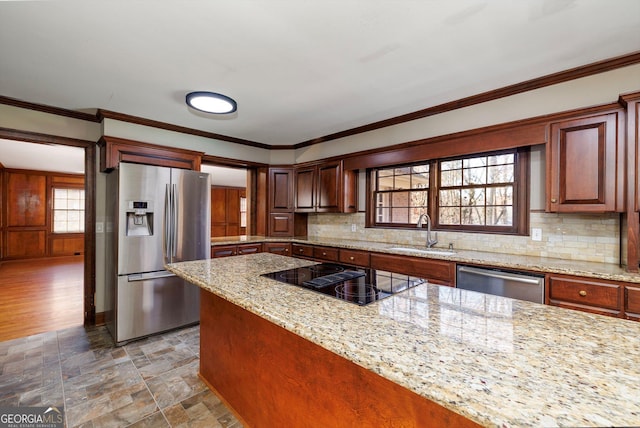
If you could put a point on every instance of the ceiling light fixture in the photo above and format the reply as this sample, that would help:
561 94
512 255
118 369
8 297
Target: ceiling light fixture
211 102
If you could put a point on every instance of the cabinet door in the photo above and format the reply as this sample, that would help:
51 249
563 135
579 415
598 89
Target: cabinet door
305 199
281 224
329 187
281 189
585 165
218 212
282 248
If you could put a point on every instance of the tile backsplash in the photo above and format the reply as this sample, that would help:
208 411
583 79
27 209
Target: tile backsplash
584 237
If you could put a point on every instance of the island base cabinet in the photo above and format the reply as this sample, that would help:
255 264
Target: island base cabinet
269 376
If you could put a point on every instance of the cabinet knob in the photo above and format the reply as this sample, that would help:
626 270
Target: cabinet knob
286 250
352 258
324 254
301 250
554 200
582 293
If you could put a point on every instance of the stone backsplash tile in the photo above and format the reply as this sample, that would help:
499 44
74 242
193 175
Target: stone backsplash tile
585 237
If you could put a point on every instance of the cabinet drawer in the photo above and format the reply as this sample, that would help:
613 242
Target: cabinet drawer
282 248
301 250
436 271
354 257
223 251
632 300
326 253
585 292
249 248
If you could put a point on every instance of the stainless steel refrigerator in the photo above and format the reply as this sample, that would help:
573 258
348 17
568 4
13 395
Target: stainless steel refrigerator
155 215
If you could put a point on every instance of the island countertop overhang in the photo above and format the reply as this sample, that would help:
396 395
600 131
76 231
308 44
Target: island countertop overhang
493 360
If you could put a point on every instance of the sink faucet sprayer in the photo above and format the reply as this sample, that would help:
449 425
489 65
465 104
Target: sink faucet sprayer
430 242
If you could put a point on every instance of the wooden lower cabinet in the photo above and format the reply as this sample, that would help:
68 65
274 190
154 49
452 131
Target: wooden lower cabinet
586 294
272 377
355 257
282 248
632 302
302 251
326 254
218 251
439 272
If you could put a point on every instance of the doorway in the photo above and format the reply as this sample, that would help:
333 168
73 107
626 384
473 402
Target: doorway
63 262
230 206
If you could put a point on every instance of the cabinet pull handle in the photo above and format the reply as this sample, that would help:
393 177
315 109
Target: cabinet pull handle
554 200
352 258
582 293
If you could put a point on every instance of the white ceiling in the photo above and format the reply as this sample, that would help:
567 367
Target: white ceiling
298 69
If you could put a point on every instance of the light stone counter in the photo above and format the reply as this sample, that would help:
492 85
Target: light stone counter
508 261
497 361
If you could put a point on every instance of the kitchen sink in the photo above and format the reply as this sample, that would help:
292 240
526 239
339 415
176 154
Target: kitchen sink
433 251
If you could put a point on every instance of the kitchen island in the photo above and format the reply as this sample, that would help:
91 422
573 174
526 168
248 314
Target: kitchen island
490 360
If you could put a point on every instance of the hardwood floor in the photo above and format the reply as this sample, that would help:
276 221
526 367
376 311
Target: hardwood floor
40 295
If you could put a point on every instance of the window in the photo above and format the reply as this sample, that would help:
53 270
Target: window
68 210
402 194
481 192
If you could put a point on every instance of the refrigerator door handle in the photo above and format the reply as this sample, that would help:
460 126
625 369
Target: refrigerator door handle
174 221
167 224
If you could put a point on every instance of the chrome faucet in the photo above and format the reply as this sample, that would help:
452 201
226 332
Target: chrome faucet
430 242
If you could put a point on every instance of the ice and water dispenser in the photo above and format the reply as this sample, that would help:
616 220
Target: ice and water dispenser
139 216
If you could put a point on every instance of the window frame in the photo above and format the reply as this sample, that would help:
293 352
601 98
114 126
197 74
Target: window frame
520 225
82 209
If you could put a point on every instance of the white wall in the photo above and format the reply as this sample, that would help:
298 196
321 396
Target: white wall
599 89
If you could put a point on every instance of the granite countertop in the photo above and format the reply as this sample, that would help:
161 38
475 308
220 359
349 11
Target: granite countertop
494 360
610 272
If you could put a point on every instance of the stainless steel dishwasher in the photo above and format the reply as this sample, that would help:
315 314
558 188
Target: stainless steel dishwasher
513 284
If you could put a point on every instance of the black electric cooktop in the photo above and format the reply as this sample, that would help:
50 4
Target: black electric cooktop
355 285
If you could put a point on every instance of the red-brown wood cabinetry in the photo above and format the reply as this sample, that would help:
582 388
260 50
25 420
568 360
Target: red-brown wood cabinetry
325 187
586 164
585 294
435 271
282 248
218 251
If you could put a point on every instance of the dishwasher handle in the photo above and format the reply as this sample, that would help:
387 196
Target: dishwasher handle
499 275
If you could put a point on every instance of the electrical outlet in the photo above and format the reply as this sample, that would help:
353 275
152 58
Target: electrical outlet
536 234
353 227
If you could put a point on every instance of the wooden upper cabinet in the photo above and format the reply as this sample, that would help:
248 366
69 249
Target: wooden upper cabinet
586 165
330 187
325 187
281 189
305 185
115 150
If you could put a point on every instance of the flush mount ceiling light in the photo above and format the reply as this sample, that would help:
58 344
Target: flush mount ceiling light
210 102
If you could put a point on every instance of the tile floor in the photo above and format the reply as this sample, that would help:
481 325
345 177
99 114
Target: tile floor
148 383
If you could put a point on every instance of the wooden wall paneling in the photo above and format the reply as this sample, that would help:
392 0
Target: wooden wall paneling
26 243
66 244
27 196
233 212
218 211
